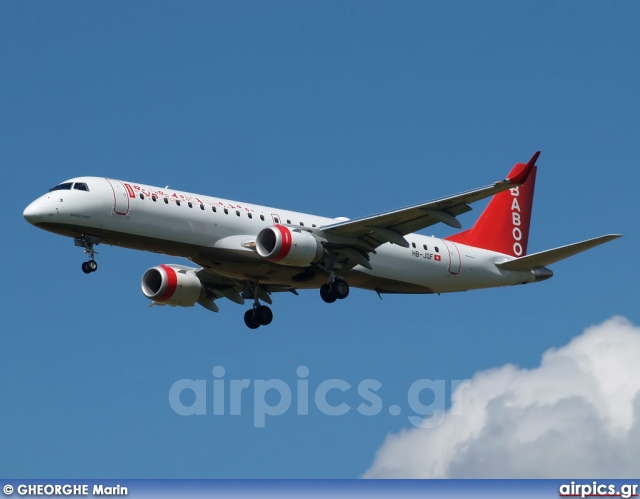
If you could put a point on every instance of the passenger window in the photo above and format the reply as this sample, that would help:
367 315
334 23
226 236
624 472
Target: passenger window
437 250
425 247
141 196
249 215
62 187
289 222
262 217
202 207
81 186
413 244
166 201
226 212
154 199
276 220
313 225
214 209
237 213
302 224
190 204
178 203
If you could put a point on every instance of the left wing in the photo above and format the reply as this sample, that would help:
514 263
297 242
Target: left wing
370 232
236 290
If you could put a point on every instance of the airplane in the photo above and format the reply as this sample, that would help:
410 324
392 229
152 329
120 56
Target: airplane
248 252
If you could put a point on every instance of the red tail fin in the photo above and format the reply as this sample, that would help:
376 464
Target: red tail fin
504 224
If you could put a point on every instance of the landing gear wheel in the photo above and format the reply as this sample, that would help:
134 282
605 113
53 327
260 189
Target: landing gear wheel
90 266
340 289
327 294
88 242
263 315
251 319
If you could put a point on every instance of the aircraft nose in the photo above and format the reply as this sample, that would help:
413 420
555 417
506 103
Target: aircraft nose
35 212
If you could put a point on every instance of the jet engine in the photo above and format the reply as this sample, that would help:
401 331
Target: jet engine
172 285
282 245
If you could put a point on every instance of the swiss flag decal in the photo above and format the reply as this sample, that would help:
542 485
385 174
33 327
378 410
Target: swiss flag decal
437 258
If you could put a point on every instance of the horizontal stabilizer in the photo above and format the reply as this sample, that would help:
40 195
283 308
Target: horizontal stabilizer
544 258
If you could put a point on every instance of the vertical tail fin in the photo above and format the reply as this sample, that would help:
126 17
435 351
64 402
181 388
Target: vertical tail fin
504 224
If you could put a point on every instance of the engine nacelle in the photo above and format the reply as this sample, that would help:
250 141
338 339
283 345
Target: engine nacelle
281 245
175 286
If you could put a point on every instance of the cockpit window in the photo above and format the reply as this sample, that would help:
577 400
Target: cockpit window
81 186
62 187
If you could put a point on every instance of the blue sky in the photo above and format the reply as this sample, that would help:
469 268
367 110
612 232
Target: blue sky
334 108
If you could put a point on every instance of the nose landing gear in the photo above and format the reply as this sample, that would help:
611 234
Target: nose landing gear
90 266
88 242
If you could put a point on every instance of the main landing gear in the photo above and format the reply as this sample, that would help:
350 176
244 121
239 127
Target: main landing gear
258 315
337 289
88 242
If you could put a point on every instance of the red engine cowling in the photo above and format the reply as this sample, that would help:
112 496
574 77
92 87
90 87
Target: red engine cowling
175 286
281 245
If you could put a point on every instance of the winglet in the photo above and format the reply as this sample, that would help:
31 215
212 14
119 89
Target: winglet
522 175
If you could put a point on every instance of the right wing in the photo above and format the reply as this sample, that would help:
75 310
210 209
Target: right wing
367 233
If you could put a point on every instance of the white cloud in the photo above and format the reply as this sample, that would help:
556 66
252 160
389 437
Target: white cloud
577 415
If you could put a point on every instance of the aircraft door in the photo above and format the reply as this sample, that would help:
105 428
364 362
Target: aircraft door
454 257
120 197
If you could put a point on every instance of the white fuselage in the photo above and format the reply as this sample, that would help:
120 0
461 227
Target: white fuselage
218 233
